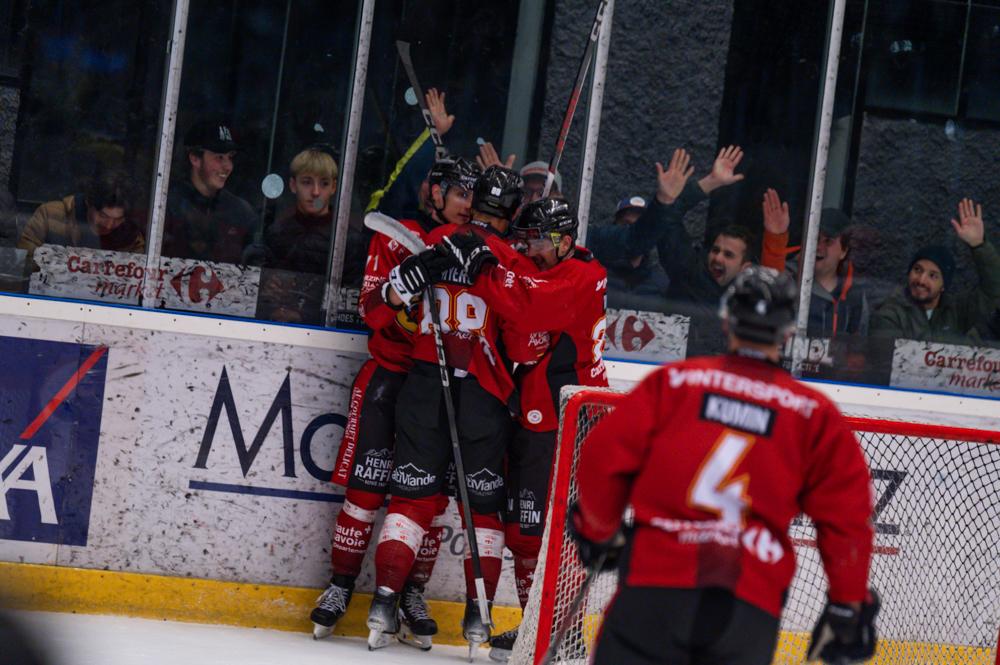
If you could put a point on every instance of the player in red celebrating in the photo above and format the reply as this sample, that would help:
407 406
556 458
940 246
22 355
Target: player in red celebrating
716 455
545 232
366 452
482 302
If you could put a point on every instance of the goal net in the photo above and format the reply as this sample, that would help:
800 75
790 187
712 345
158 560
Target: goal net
936 561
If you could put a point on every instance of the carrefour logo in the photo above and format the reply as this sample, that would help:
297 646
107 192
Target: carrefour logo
50 424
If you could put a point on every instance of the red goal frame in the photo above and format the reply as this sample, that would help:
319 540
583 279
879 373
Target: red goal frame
563 473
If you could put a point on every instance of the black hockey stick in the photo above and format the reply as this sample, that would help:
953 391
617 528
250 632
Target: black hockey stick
574 98
392 228
592 572
440 152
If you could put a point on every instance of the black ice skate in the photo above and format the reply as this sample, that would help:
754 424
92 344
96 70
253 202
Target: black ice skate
331 605
417 625
383 623
502 645
473 628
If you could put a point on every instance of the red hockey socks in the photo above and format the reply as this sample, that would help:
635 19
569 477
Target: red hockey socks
353 532
489 538
525 550
427 555
404 529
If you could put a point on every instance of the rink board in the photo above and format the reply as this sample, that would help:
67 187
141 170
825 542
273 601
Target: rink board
212 457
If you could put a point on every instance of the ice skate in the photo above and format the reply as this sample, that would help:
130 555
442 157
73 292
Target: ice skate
331 606
383 622
473 628
502 645
417 627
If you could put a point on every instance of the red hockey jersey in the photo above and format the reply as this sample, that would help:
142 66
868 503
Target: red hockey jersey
505 302
574 354
717 456
391 342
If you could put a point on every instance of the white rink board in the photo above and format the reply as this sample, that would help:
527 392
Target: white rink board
151 512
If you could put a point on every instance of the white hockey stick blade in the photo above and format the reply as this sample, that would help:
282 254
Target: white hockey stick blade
394 229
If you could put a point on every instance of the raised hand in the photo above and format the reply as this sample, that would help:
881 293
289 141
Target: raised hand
488 157
969 226
776 218
439 114
670 182
723 170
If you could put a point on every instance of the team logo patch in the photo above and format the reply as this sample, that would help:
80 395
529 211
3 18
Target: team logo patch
375 466
484 482
411 475
739 415
534 416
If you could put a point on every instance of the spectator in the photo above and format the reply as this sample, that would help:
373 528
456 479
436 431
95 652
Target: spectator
697 278
204 222
625 246
299 240
98 218
924 308
534 175
839 301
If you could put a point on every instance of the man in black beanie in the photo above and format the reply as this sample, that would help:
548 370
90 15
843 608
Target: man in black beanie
925 308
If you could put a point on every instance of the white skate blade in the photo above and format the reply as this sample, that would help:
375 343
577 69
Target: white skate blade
378 640
320 631
411 639
500 655
474 647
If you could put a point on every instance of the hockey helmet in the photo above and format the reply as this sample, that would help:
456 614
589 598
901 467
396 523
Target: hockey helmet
498 192
545 218
759 305
453 171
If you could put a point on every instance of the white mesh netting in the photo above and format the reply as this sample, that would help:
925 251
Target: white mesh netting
936 562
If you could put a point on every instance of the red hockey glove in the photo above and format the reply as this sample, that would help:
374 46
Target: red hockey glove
845 635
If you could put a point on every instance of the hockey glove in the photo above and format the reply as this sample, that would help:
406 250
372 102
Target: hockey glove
845 635
411 277
468 252
605 554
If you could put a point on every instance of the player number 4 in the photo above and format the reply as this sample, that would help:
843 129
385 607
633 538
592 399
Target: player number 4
714 489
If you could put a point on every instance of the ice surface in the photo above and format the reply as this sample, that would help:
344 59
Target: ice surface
80 639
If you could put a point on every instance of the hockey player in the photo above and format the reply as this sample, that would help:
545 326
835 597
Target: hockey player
717 455
366 453
479 304
545 232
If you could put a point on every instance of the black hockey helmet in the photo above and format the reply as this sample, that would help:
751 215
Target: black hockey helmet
545 218
498 192
759 305
453 171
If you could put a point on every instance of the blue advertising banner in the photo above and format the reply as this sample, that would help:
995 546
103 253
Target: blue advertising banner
51 395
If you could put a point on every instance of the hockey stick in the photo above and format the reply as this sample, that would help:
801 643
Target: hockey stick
440 152
574 98
592 572
392 228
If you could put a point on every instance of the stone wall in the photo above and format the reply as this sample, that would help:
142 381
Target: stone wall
665 78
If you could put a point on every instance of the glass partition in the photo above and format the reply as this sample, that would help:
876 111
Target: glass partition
469 59
703 114
907 278
79 105
250 210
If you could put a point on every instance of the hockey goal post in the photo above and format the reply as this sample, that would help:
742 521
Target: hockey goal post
936 561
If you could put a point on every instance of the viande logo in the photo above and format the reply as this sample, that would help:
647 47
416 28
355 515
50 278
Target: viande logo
484 481
410 475
52 399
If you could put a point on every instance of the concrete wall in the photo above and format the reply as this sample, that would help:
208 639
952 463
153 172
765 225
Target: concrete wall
665 79
910 176
9 102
